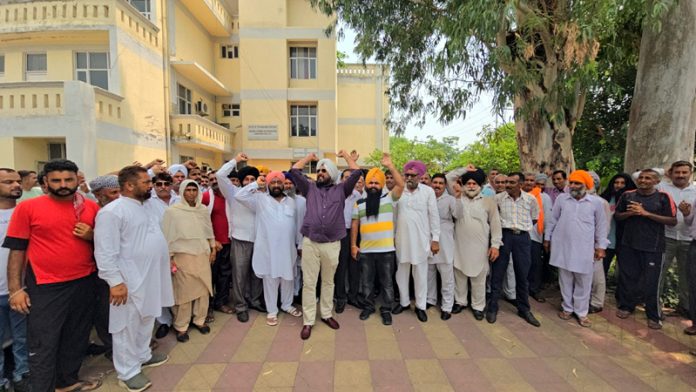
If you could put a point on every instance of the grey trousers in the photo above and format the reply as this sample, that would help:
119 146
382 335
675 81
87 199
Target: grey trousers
243 277
678 250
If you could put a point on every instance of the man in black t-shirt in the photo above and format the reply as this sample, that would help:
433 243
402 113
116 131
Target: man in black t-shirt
645 211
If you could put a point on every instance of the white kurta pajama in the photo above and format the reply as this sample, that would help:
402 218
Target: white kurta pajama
477 229
576 229
275 246
442 261
417 224
130 248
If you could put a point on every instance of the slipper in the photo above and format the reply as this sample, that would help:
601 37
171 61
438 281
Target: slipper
209 319
225 309
293 312
272 321
84 386
584 322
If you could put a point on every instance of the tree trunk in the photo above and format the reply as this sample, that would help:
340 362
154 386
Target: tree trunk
544 145
662 122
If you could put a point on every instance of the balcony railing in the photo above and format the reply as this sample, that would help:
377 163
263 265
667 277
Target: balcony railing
196 131
362 71
39 16
213 16
31 99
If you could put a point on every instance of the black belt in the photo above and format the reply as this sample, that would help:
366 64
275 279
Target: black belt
515 231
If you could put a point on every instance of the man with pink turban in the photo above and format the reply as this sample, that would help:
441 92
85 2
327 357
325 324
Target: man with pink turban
417 237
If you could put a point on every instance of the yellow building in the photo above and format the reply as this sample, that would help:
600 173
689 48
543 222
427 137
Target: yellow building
109 82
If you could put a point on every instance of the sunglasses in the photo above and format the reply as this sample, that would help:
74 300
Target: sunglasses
322 171
162 183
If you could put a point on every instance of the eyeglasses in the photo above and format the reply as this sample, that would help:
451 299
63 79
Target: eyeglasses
409 175
162 183
322 171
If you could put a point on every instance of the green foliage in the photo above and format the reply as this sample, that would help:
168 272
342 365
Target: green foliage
437 155
496 148
340 59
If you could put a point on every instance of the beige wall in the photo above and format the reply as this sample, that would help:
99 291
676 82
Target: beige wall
193 43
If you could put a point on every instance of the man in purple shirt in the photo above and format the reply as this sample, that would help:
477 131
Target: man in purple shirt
560 185
323 228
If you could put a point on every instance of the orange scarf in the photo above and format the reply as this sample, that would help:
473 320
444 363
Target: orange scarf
536 192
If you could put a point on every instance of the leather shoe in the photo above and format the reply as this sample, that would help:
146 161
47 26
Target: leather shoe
622 314
422 316
456 309
652 324
595 309
529 317
445 315
182 337
478 315
690 330
340 306
306 332
331 322
386 318
491 317
398 309
243 317
538 298
355 304
162 331
365 314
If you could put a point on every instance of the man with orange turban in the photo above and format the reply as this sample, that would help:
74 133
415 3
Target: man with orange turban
577 235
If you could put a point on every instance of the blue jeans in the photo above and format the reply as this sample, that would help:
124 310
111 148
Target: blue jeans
14 325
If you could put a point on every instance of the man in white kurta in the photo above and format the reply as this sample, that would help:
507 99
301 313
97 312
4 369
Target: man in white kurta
133 258
276 242
577 234
478 236
442 261
417 236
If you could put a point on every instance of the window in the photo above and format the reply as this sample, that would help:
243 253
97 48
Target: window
184 96
230 51
310 168
303 120
303 63
93 68
230 110
2 64
185 158
36 64
56 151
143 6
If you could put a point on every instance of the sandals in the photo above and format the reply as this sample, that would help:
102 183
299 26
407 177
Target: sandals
563 315
293 312
84 386
225 309
584 322
272 321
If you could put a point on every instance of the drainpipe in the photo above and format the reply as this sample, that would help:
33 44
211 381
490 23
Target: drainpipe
166 76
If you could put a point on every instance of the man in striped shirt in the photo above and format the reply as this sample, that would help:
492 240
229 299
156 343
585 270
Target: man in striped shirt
373 216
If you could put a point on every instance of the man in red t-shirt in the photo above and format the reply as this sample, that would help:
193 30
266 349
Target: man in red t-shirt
54 233
222 267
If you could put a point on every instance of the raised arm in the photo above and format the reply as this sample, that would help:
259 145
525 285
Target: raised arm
247 195
398 180
301 182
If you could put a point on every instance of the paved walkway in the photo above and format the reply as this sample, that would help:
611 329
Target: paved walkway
461 354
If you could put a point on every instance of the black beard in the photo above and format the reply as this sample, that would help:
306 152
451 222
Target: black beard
55 192
275 192
372 202
323 183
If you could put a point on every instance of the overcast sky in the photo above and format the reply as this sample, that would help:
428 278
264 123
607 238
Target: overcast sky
479 116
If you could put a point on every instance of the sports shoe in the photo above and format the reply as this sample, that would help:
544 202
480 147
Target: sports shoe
155 360
137 383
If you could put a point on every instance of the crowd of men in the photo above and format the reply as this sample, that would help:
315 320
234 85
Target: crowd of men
155 246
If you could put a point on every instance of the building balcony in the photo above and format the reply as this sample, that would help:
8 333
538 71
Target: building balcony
197 132
200 76
41 16
213 16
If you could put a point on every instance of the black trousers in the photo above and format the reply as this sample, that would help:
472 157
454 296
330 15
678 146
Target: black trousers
536 269
691 280
380 265
639 277
58 328
519 245
101 312
222 274
348 271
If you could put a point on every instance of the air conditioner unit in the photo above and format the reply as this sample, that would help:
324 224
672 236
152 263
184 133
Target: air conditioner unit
201 108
